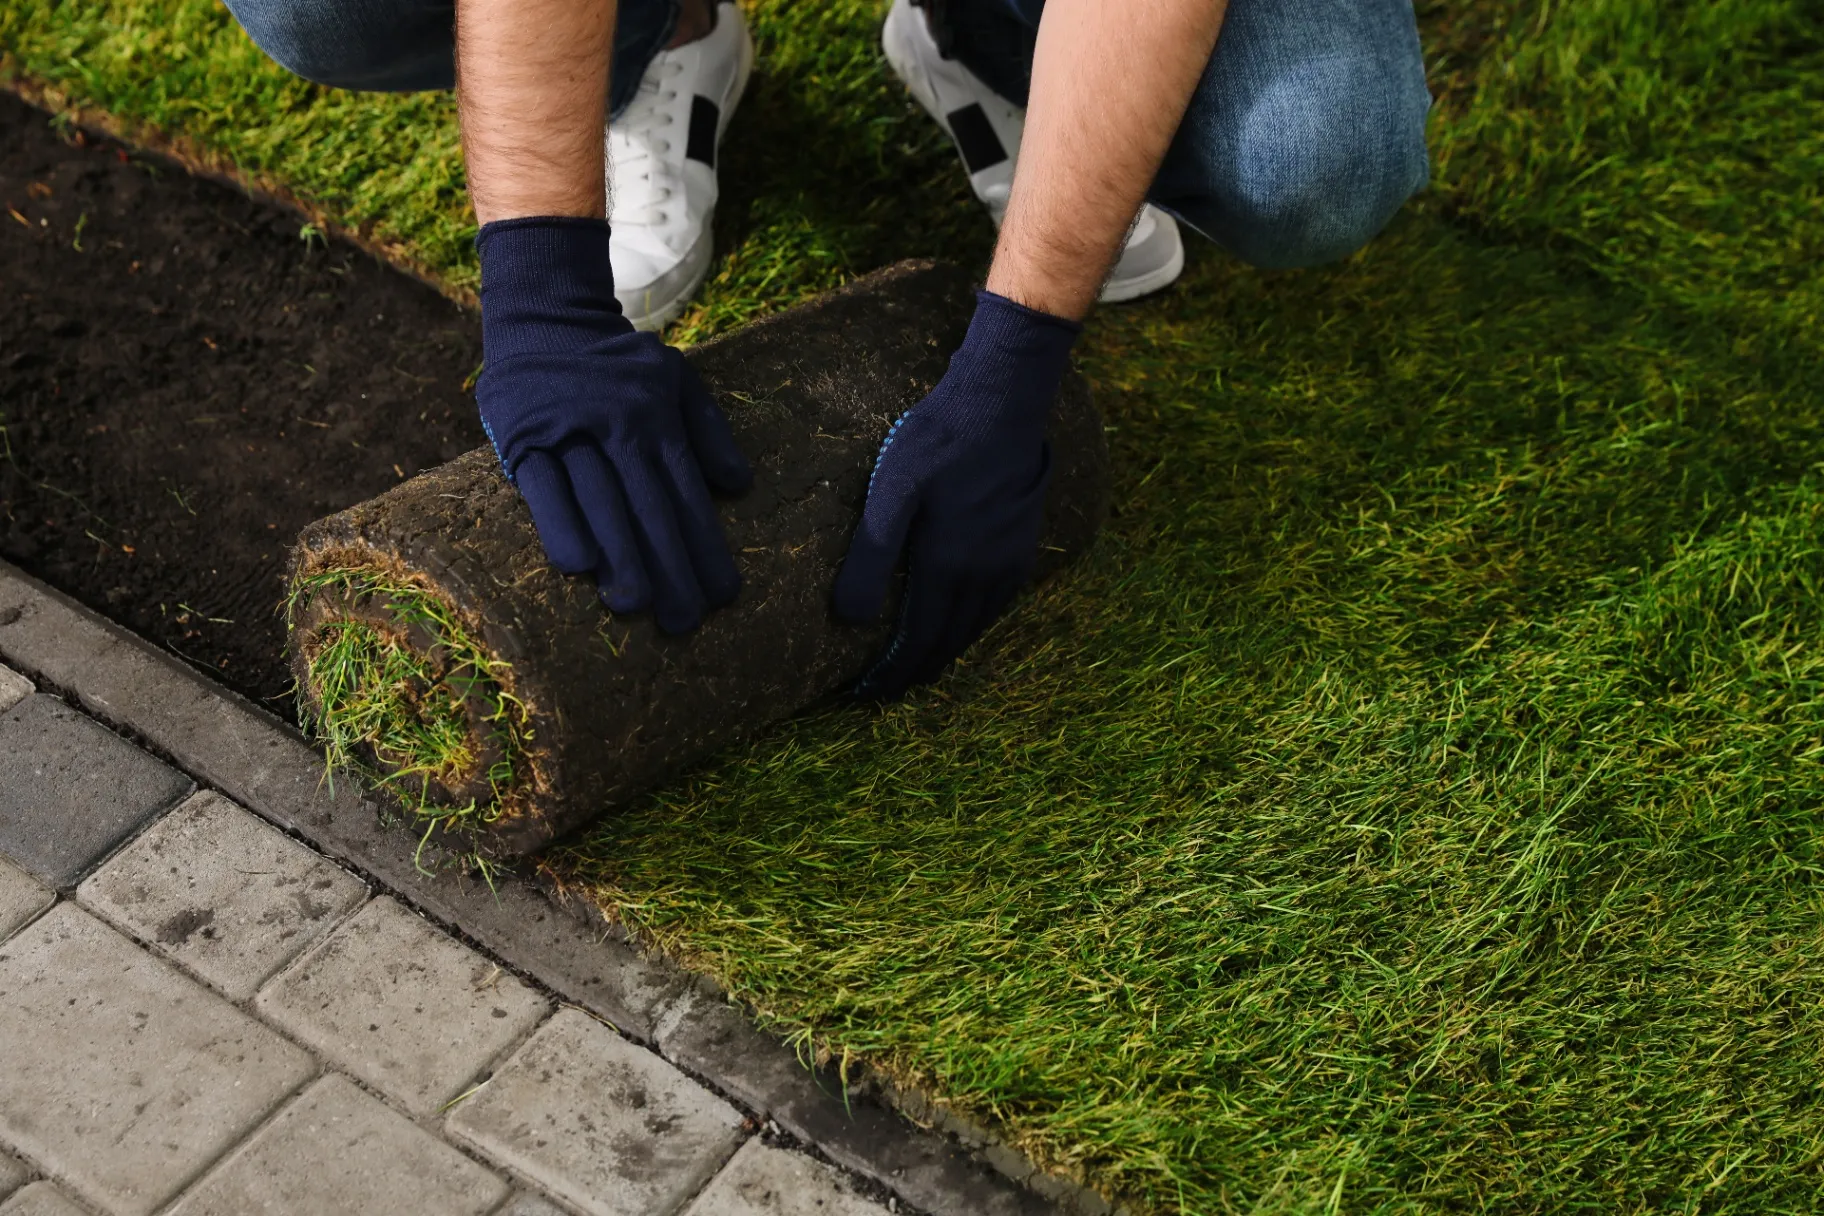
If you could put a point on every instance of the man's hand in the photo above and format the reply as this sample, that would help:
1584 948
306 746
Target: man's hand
962 475
608 433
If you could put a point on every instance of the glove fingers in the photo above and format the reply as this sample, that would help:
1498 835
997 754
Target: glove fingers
545 486
989 608
701 528
922 619
962 625
678 603
620 576
711 438
880 537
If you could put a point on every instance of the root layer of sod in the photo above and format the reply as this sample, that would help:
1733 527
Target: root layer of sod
1415 806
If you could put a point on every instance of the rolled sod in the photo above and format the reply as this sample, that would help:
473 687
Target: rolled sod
436 649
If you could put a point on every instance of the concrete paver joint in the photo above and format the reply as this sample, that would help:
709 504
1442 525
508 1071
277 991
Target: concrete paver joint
22 898
14 688
13 1174
601 1123
222 894
42 1199
336 1149
180 1075
401 1005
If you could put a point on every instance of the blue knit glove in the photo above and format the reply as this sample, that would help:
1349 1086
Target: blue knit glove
608 433
961 475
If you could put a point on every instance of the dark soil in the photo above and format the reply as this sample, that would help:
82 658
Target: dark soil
185 382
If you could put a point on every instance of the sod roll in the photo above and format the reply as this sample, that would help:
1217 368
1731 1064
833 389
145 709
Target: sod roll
435 648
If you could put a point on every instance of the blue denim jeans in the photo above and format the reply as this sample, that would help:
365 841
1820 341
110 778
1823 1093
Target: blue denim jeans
1305 135
404 46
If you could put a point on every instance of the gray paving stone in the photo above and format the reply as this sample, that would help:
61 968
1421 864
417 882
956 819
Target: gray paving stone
402 1005
527 1204
137 1076
265 766
767 1181
336 1149
21 898
222 893
70 790
599 1122
12 1174
923 1168
14 688
713 1039
42 1199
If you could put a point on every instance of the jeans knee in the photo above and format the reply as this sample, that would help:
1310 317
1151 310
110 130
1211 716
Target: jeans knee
298 37
1319 163
353 45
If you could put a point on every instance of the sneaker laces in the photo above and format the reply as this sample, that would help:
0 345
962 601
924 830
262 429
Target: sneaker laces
645 177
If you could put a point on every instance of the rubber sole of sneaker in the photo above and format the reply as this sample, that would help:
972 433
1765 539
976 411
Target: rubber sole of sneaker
662 313
1120 291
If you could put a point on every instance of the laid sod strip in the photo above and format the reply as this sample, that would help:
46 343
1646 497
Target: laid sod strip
1672 147
1414 805
432 640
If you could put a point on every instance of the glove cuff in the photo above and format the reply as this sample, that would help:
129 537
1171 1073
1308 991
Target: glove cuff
1003 332
1006 310
547 286
1021 351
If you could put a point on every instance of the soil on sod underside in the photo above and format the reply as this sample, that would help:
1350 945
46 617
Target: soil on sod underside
186 380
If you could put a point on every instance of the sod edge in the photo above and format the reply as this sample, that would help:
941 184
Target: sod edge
397 686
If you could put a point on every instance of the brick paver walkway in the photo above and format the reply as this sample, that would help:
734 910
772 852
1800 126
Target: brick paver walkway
202 1016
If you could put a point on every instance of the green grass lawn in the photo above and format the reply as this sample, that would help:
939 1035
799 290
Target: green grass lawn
1414 803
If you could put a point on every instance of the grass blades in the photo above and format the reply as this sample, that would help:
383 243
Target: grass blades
388 701
1413 803
1674 148
1418 796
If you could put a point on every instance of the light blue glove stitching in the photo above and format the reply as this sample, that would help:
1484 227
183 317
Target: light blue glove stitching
495 443
884 445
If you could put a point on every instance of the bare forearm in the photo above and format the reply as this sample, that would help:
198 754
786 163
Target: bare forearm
532 86
1110 82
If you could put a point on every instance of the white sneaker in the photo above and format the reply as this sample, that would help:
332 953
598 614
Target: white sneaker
986 130
662 169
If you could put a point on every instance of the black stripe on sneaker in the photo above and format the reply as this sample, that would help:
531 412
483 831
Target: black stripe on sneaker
975 137
703 118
